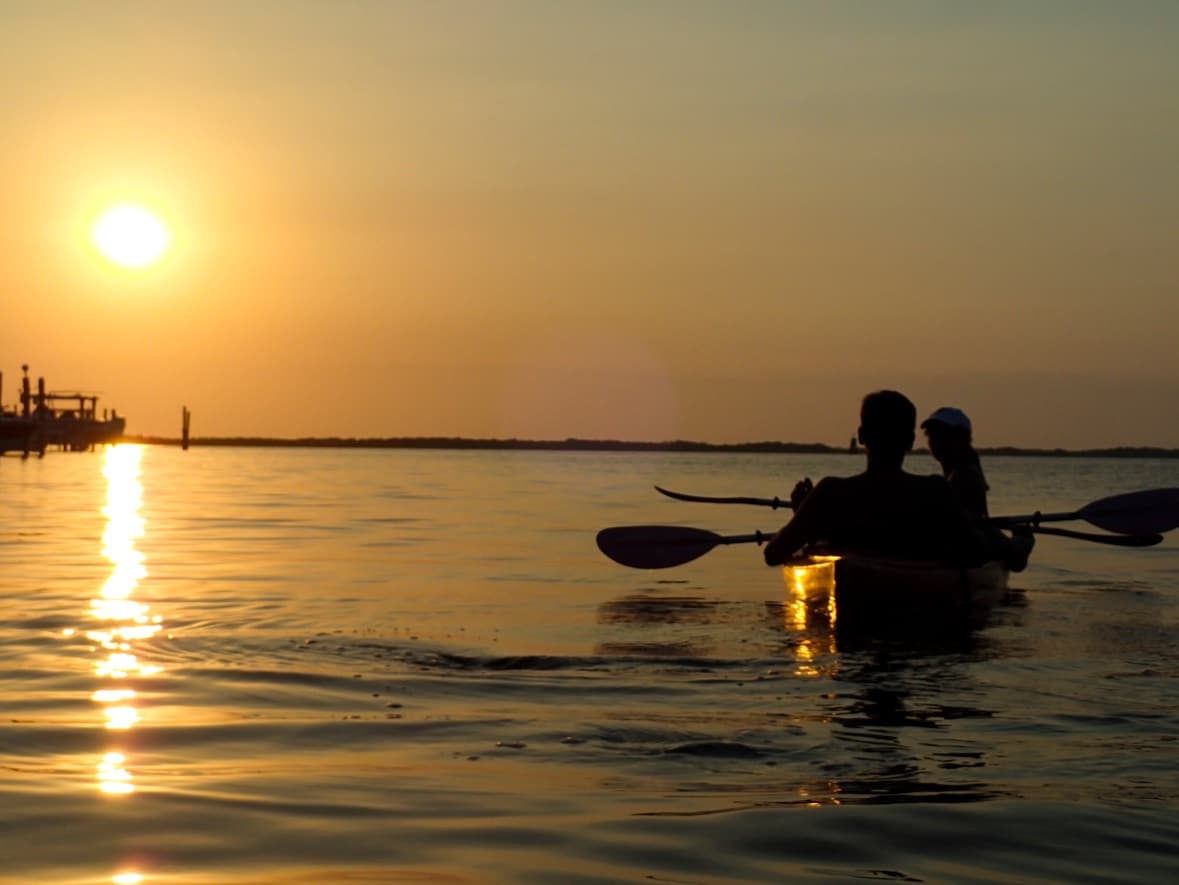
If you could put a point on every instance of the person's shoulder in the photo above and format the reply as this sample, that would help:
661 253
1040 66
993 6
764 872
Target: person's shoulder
832 485
968 474
927 480
932 485
827 489
933 480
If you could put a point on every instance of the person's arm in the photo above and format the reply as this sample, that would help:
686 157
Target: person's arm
1018 547
801 489
805 527
964 537
970 487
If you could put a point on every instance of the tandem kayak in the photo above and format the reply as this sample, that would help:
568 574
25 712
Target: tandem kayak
857 591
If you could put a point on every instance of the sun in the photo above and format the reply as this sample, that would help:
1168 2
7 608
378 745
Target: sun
131 236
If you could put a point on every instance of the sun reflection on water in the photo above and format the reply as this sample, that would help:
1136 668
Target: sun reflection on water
810 603
122 621
113 777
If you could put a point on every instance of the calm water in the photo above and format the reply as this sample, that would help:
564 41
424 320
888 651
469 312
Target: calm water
265 666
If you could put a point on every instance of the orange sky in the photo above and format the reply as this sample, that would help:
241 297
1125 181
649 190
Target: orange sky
713 221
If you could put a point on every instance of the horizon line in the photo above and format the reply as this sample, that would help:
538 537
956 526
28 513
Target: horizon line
585 444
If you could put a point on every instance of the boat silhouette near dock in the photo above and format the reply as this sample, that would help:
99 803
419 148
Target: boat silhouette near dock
67 420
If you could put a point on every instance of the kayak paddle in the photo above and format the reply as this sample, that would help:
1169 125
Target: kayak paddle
665 546
1148 512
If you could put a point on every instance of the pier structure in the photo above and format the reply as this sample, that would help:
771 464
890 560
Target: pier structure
67 420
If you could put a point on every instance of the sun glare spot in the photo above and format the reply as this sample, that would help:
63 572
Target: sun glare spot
131 236
113 778
121 718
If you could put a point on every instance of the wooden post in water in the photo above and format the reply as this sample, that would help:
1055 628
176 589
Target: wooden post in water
25 396
185 416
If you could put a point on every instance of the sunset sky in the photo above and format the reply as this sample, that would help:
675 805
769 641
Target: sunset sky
719 221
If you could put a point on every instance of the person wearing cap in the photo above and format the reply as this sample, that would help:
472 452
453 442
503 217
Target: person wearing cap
884 510
950 437
949 433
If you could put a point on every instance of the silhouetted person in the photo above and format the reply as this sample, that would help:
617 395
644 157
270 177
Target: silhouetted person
949 433
950 437
884 510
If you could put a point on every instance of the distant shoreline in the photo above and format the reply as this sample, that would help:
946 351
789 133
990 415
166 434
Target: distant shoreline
611 445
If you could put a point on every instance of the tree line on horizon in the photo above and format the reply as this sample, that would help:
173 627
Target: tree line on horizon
609 445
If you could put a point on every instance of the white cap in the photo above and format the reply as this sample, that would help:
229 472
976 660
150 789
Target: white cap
949 416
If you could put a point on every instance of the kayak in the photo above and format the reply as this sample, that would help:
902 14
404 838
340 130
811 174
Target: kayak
868 591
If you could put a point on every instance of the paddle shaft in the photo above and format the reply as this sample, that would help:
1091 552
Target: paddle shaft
1005 522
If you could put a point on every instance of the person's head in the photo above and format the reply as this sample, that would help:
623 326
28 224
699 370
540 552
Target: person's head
888 425
949 433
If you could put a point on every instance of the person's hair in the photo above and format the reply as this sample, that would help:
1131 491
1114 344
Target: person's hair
888 422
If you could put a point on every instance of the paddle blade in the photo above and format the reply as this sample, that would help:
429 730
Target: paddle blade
655 546
1137 513
709 499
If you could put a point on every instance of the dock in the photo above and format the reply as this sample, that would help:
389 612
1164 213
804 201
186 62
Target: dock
66 420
